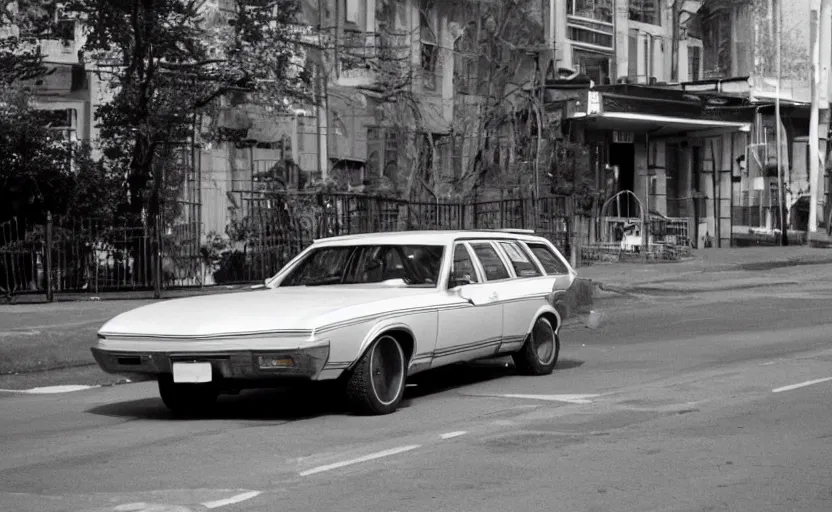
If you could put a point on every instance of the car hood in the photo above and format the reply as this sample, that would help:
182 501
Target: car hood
295 308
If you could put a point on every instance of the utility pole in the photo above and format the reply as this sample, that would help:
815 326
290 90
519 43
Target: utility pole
825 56
784 230
819 119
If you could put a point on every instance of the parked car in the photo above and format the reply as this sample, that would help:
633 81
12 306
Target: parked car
367 311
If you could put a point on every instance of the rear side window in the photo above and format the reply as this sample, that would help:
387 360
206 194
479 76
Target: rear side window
520 260
491 262
551 263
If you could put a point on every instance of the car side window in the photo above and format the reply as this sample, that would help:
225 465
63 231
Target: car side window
551 263
463 269
520 260
491 262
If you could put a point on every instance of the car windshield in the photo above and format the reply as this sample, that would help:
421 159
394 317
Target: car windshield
366 264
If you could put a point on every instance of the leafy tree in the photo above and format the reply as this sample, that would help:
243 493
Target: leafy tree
21 22
166 60
492 58
41 172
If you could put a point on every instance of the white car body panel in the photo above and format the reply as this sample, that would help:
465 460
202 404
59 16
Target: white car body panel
446 325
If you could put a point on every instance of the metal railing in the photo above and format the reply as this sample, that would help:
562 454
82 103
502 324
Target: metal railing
262 233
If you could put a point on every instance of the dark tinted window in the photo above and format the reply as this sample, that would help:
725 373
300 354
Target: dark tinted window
491 262
365 264
520 260
463 268
551 263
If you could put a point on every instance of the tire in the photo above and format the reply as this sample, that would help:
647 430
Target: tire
186 399
376 385
539 354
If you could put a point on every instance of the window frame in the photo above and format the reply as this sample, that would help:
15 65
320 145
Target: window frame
528 253
506 264
478 270
558 256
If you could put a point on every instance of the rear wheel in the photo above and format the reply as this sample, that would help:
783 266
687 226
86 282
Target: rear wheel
376 384
539 354
186 399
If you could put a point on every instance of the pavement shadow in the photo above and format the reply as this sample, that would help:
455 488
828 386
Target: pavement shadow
318 399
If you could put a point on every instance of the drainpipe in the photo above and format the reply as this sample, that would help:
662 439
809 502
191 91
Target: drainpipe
674 52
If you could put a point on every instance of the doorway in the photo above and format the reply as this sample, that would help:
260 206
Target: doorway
623 156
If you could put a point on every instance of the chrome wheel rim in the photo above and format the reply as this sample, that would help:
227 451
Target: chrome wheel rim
386 370
544 341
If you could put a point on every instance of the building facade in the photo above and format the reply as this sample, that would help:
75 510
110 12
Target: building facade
682 120
679 118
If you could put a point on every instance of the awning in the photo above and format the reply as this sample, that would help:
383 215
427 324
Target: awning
657 126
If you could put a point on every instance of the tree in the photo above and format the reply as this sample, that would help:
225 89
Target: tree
42 172
491 59
167 60
21 23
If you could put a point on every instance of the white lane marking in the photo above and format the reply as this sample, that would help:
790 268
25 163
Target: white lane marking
232 500
451 435
801 385
365 458
47 390
573 399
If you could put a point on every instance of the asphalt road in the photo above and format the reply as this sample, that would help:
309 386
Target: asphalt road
679 403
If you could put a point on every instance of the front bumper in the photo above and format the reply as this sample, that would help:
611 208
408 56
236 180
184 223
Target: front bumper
308 362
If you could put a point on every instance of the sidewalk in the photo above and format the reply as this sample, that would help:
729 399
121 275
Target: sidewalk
723 268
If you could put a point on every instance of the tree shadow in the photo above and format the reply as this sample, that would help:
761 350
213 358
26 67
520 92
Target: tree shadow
307 401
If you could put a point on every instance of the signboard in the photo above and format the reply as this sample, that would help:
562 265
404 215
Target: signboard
593 103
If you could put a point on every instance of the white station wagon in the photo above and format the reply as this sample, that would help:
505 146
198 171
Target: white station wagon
363 310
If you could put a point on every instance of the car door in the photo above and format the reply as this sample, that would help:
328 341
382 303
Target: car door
472 327
523 295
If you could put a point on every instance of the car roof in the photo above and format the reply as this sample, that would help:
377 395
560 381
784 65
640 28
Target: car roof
426 237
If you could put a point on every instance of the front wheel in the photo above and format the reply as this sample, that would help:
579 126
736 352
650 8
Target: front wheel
376 384
539 354
186 399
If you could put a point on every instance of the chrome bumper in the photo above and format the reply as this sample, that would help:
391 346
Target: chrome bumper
308 362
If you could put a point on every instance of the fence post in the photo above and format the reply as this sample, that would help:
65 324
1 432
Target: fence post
50 293
575 234
157 259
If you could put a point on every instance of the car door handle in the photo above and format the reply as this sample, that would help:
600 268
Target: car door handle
494 296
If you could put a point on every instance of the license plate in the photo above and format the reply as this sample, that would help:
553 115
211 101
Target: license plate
192 372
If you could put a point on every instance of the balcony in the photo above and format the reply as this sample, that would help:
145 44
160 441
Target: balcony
62 42
357 58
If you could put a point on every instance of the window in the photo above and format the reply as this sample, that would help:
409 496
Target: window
600 10
368 264
428 35
548 259
519 258
694 61
594 65
463 269
595 38
645 11
494 267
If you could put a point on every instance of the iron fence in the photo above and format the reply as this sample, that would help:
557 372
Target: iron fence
262 233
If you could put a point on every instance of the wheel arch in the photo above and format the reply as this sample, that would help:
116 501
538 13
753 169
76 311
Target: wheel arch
400 331
550 314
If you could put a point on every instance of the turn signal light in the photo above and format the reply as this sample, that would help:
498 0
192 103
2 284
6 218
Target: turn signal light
267 362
